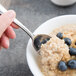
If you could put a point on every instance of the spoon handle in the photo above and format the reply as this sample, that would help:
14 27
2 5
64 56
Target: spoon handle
17 22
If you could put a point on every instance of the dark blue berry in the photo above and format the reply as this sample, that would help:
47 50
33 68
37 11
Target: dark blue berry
72 51
60 35
67 41
62 66
45 40
48 39
37 43
72 64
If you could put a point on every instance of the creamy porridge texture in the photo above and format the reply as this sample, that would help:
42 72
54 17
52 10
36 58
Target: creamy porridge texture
57 50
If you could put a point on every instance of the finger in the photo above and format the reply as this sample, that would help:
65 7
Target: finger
14 26
4 41
5 20
10 33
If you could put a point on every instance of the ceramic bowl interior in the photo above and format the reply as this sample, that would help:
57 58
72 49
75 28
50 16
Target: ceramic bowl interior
46 28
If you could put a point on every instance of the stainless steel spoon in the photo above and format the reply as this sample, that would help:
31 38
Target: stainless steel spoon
37 40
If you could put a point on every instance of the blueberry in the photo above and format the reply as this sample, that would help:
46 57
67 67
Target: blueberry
37 43
72 64
44 41
48 39
60 35
62 66
72 51
67 41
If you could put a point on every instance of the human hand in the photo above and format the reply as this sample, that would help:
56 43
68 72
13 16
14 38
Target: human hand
6 28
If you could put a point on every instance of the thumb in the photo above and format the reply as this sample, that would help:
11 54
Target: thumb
5 20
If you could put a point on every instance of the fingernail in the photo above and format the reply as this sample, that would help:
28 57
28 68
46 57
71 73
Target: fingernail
11 13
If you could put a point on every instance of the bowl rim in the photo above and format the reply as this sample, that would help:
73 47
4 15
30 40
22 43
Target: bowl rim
57 17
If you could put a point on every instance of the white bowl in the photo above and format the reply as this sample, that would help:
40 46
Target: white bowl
63 2
47 27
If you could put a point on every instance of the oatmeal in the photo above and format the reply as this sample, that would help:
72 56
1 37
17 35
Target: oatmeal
58 55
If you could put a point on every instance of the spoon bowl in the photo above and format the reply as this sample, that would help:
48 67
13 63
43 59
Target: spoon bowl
39 40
